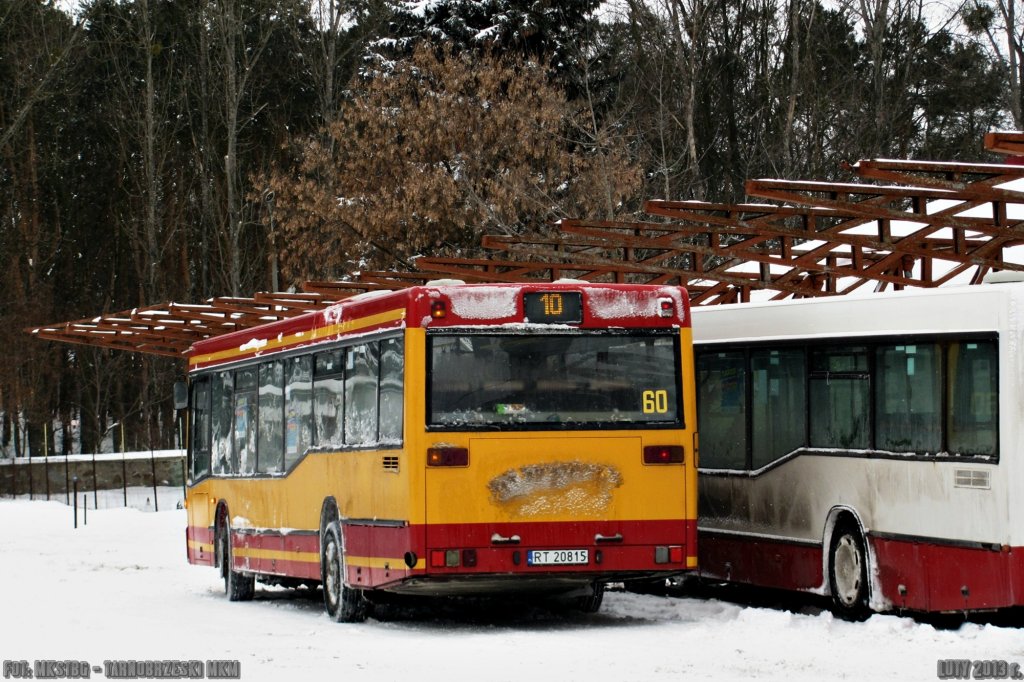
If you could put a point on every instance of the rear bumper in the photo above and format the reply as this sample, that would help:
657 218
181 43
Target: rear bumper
472 585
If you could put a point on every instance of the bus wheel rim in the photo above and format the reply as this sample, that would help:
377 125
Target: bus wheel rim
332 577
848 570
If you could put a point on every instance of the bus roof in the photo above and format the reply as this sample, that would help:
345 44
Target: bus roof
451 304
975 308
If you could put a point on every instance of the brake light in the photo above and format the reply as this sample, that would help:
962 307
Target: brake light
447 457
663 454
665 307
672 554
450 558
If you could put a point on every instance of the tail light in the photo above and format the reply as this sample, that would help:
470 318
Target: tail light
447 457
672 554
663 454
445 558
452 558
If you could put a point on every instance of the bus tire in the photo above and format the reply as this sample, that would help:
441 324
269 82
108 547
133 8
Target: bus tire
343 604
592 602
848 572
237 586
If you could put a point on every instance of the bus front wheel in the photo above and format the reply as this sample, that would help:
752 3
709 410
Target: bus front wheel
848 572
237 586
343 604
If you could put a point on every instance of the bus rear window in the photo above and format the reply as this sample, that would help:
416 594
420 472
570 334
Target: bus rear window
553 381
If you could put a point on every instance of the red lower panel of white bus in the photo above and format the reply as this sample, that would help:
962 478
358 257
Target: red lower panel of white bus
925 576
914 574
759 561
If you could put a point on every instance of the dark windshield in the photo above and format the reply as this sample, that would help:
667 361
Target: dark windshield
487 381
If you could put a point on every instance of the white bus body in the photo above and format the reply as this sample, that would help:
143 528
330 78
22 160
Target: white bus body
866 448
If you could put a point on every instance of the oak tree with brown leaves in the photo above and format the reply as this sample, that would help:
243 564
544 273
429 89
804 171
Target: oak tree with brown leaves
434 151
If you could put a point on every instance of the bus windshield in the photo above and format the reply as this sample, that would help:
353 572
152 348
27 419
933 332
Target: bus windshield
553 380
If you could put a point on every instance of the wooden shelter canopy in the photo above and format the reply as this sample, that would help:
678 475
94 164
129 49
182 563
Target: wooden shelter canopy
901 224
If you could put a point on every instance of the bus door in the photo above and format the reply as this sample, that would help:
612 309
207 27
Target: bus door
199 533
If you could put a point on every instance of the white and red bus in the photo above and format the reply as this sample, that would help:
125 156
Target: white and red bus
449 439
869 448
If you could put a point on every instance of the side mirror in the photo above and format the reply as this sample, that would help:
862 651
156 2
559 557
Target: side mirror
180 395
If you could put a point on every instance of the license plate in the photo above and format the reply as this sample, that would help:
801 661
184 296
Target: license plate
557 557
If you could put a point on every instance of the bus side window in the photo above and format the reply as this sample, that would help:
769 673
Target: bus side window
721 410
840 398
329 399
391 393
361 377
778 403
244 461
908 398
298 409
223 413
973 397
271 420
200 428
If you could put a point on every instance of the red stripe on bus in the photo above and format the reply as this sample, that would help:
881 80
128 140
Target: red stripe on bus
304 570
298 343
938 577
382 541
199 546
600 560
763 562
295 566
395 541
276 541
613 546
199 534
933 575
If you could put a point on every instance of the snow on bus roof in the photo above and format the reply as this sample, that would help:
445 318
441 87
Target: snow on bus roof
610 304
482 301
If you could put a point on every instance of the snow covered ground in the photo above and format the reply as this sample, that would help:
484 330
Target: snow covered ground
120 588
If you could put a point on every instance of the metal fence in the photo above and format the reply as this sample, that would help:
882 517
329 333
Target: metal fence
149 481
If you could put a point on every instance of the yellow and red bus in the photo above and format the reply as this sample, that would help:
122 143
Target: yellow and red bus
449 439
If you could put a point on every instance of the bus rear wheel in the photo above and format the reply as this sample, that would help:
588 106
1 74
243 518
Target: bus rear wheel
343 604
237 586
592 602
848 572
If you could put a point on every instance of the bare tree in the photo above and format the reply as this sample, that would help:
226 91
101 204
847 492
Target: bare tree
894 35
1001 22
240 33
146 98
37 44
687 20
52 60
